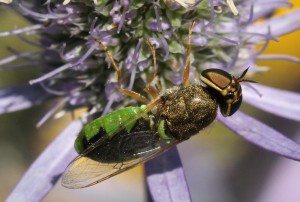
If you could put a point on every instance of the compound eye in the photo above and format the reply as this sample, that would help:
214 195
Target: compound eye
216 78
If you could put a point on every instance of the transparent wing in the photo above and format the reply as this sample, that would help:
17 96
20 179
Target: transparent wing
95 166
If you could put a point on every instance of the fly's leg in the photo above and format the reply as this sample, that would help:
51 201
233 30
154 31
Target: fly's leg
150 89
186 72
123 91
158 85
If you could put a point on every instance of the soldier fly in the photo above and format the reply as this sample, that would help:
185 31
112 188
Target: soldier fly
130 136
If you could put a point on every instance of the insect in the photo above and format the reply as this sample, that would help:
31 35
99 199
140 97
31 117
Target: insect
130 136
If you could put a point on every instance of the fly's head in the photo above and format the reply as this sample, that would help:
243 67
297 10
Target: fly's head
227 88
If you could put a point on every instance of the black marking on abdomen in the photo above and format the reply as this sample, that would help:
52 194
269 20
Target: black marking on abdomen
124 146
94 139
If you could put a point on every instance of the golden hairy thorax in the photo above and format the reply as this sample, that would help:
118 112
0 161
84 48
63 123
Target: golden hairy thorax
187 110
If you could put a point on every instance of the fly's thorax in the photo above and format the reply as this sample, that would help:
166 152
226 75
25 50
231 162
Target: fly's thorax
187 110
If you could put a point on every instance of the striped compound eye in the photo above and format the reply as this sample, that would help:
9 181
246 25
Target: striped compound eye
228 89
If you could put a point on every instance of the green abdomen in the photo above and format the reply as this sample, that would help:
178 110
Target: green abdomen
122 120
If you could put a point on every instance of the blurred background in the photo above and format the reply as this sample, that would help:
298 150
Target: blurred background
219 165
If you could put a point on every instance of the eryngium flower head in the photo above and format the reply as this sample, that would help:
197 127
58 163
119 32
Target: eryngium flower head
76 70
